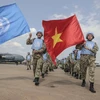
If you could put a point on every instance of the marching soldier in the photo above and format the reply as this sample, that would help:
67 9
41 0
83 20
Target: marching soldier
77 64
62 62
38 47
72 58
46 64
88 56
28 59
66 67
51 65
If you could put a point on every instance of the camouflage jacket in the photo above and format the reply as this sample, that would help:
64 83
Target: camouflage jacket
72 60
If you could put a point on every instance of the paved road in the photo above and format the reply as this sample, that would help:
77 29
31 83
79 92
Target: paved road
16 84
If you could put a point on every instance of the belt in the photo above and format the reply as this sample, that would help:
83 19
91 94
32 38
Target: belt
38 52
86 55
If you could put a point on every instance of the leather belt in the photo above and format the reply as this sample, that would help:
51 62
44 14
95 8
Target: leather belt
86 55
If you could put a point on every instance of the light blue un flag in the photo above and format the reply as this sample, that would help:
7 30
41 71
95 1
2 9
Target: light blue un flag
12 23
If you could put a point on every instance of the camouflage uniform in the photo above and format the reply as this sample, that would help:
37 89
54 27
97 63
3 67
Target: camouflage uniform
72 63
88 57
60 65
77 64
62 62
45 64
28 62
37 58
45 67
77 68
51 65
66 67
88 61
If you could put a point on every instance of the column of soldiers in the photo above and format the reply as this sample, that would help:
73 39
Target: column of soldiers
81 59
76 63
41 60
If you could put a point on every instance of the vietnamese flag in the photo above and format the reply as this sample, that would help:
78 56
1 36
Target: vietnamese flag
61 34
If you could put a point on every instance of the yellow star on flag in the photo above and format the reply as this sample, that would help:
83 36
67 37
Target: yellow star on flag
56 37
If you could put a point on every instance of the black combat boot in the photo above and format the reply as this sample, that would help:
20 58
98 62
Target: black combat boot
80 77
42 75
76 76
92 87
50 70
65 70
83 83
72 73
46 72
36 81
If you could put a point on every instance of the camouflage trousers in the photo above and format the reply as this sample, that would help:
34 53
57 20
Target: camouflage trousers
77 67
45 67
37 66
66 66
51 66
88 61
28 64
63 65
71 68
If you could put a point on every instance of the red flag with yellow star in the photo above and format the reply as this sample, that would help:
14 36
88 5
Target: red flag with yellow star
61 34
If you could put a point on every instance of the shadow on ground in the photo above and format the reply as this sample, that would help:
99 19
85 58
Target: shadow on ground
17 78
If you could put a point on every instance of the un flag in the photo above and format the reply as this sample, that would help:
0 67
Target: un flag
12 23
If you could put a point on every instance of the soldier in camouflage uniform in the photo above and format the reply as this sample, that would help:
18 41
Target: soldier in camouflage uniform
77 64
38 47
88 56
45 64
72 58
28 61
51 65
66 67
57 63
60 65
62 62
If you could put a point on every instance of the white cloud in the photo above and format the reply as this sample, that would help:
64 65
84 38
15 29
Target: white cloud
91 25
33 30
16 44
97 4
78 14
61 16
58 16
11 46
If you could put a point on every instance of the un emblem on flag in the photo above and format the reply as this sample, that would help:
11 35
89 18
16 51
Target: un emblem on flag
4 25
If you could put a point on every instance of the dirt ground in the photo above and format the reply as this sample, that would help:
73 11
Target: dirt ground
16 83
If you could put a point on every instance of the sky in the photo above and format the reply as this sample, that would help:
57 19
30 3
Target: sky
34 11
